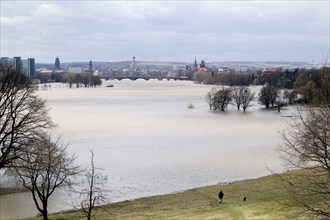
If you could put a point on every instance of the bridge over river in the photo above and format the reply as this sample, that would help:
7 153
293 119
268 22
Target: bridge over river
148 77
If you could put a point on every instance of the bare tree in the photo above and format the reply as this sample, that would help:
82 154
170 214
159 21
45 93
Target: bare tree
237 94
221 97
307 146
289 96
44 167
209 98
242 96
22 115
247 98
94 194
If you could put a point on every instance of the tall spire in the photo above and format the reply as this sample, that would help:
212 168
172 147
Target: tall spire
133 66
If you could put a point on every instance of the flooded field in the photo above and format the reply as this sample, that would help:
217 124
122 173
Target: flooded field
148 142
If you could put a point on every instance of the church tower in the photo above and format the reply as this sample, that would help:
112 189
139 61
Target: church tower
202 64
133 66
195 65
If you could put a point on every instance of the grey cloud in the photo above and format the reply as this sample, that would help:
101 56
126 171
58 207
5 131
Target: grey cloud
103 30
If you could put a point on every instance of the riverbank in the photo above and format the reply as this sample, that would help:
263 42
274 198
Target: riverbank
266 198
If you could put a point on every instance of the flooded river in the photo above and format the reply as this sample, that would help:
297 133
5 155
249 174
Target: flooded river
148 142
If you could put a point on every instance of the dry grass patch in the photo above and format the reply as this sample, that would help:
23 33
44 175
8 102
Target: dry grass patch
266 199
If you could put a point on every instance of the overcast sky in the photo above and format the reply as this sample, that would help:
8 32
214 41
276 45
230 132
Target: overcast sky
166 31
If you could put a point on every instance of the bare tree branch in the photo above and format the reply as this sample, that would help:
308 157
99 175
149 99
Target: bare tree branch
45 166
23 116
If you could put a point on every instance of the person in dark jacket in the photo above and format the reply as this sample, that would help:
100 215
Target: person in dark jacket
220 195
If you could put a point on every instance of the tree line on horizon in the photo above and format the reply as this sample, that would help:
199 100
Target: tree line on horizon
86 79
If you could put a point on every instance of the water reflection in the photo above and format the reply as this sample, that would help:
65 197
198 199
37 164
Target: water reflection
148 142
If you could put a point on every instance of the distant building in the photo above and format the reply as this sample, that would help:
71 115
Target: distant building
223 69
267 70
195 65
8 62
241 68
90 67
32 69
25 66
202 67
75 69
133 66
57 63
18 63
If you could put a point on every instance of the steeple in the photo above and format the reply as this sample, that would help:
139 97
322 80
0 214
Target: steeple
195 65
133 66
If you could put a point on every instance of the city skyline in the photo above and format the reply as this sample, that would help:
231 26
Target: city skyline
116 31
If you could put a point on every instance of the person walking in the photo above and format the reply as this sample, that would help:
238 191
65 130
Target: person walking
220 195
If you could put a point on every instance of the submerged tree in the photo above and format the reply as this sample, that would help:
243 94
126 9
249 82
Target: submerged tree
22 115
268 95
289 96
307 146
209 98
237 95
221 97
247 98
44 167
242 96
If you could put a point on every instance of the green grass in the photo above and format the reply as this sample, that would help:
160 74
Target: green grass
266 199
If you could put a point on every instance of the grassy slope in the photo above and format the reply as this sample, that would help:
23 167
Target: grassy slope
263 196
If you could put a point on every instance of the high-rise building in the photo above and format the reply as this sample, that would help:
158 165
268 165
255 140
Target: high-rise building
90 67
57 63
18 63
26 67
8 62
32 71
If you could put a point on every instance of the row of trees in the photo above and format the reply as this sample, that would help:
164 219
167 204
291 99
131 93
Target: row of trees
229 79
310 84
307 89
27 150
220 97
86 79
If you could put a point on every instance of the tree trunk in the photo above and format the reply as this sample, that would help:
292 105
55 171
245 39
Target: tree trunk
44 209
